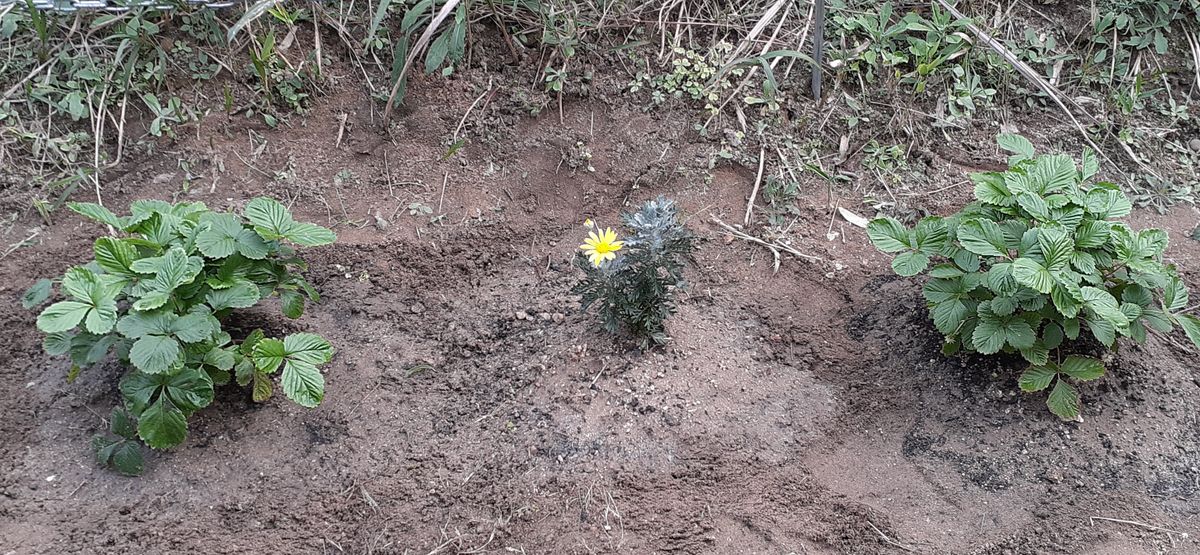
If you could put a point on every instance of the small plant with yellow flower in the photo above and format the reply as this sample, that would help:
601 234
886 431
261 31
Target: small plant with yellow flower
633 280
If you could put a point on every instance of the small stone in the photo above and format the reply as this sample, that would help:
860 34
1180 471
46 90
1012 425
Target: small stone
1194 144
417 308
381 223
522 315
558 317
544 315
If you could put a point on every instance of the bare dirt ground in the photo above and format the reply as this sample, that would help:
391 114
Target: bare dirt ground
472 407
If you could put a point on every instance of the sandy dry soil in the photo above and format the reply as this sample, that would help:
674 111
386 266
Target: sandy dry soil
472 407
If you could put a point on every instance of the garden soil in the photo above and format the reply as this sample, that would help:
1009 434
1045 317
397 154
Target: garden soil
472 407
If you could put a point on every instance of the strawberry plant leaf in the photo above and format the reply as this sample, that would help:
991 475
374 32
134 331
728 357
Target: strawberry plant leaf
1191 327
889 235
155 354
1037 378
1082 368
37 293
162 425
982 237
62 316
98 213
1064 401
1019 146
910 263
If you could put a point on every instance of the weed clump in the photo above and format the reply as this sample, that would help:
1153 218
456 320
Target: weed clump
634 282
1038 259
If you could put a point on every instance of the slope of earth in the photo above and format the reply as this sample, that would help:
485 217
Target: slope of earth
473 408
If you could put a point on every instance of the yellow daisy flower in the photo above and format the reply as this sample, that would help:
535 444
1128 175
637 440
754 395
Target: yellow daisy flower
601 246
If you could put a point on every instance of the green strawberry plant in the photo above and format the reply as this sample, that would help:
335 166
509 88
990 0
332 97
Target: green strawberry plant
156 295
1036 260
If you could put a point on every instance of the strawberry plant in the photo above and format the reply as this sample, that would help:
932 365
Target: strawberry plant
1036 261
156 295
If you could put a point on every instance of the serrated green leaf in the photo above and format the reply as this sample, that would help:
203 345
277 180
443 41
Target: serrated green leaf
1019 146
1090 165
62 316
1052 336
1102 330
268 355
272 221
910 263
37 293
1037 378
96 212
1057 249
293 304
1035 205
1064 401
126 458
945 271
171 270
982 237
302 383
1037 354
219 236
154 354
192 328
1105 203
162 425
990 189
1175 295
122 424
930 235
889 235
58 343
115 256
1082 368
1104 305
1191 327
1033 275
138 324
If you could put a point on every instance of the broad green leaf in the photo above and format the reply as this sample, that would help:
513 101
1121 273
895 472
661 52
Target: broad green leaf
122 424
88 349
1102 330
293 303
949 315
309 235
1035 205
993 331
127 458
1029 273
190 389
97 213
308 347
242 295
138 324
268 355
1105 203
889 235
220 359
1082 368
115 256
1067 298
172 270
1191 327
910 263
162 425
1104 305
1064 401
1057 249
1037 378
1037 354
930 235
990 189
1019 146
302 383
37 293
219 236
1090 165
945 271
154 354
1175 295
62 316
1052 336
272 221
1054 173
192 328
58 343
982 237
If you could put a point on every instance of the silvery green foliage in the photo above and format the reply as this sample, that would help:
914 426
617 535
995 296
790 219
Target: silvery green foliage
1036 261
156 294
638 288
